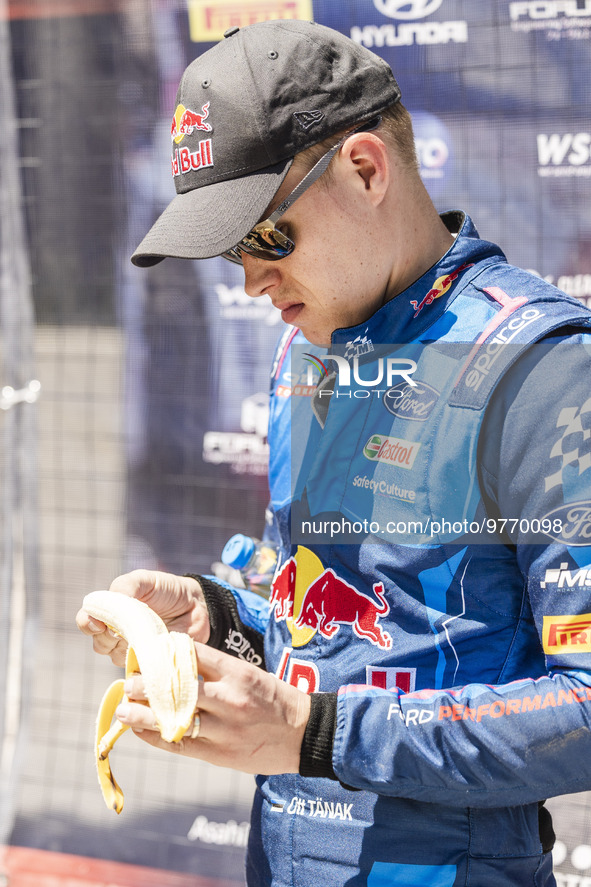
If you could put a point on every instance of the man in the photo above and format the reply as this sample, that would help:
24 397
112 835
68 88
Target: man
427 649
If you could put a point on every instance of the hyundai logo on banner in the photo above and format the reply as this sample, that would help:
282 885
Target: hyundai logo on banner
409 27
407 10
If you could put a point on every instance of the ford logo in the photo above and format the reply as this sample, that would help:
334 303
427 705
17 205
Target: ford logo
413 403
570 523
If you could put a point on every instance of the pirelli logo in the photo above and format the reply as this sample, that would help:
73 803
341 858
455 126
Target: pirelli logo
208 19
567 634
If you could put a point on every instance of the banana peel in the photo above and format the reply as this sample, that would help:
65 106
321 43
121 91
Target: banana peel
168 665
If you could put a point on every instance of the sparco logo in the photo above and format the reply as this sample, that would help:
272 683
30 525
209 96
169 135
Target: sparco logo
484 363
415 404
407 10
574 521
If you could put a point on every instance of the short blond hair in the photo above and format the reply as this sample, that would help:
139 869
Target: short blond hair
396 127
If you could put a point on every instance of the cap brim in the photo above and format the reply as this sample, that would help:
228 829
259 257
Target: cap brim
207 221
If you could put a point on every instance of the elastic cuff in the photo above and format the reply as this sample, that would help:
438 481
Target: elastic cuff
316 753
227 632
219 601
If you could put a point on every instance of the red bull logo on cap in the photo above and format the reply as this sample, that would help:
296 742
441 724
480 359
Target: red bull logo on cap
184 161
311 599
185 122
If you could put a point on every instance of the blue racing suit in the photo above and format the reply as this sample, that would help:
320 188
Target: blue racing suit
431 495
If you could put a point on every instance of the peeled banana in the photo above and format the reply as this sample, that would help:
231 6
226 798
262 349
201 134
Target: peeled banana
168 665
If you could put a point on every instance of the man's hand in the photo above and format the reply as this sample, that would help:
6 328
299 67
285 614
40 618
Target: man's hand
250 720
178 600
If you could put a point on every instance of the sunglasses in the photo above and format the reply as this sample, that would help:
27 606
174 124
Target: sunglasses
265 241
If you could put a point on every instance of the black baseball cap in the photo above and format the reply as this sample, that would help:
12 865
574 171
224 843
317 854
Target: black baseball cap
244 109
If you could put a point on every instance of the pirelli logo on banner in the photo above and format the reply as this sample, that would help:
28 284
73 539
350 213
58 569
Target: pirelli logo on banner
208 19
567 634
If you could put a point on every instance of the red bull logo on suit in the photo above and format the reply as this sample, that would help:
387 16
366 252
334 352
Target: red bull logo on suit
311 599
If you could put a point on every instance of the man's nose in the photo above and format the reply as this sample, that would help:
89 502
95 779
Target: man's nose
260 275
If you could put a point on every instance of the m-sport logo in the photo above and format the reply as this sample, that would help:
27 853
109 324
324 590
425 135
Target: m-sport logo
407 10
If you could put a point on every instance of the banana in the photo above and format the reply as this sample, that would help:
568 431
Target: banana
168 665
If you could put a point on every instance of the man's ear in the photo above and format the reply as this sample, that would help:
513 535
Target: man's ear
366 158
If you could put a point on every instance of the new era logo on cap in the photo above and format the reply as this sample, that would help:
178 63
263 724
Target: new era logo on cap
307 119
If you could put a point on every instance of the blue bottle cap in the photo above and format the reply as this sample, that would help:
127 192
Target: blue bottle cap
238 551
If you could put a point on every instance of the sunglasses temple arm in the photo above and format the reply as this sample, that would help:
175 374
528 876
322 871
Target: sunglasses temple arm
306 182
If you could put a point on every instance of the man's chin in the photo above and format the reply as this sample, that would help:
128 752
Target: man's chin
316 338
